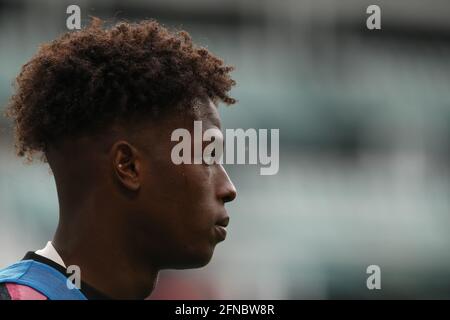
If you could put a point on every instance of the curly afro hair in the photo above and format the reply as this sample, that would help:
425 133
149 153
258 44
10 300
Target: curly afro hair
86 79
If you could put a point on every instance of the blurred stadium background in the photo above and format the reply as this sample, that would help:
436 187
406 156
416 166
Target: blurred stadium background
364 119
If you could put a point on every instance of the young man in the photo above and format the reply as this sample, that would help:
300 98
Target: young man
100 106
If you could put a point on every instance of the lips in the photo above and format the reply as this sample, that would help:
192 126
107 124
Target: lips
223 222
221 232
220 228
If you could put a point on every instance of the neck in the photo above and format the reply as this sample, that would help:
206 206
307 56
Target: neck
104 257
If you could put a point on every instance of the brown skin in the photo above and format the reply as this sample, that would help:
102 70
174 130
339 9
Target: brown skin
127 212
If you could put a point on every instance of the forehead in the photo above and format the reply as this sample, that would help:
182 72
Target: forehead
206 111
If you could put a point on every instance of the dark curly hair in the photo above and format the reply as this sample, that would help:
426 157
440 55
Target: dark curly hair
83 80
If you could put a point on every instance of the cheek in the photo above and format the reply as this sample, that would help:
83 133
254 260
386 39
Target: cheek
181 198
191 186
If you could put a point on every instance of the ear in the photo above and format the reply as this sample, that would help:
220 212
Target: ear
126 165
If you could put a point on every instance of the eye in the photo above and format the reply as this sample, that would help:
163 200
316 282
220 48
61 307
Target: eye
209 159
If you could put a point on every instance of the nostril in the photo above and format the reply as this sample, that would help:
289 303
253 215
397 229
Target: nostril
230 196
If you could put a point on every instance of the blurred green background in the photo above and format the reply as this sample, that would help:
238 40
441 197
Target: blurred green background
364 119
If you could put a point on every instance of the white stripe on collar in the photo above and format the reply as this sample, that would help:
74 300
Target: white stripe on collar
50 253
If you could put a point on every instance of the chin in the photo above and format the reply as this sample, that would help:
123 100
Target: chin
196 258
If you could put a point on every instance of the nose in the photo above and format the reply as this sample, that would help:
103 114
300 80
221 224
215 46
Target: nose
231 194
227 191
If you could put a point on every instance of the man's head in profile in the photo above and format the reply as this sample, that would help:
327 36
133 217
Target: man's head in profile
99 105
